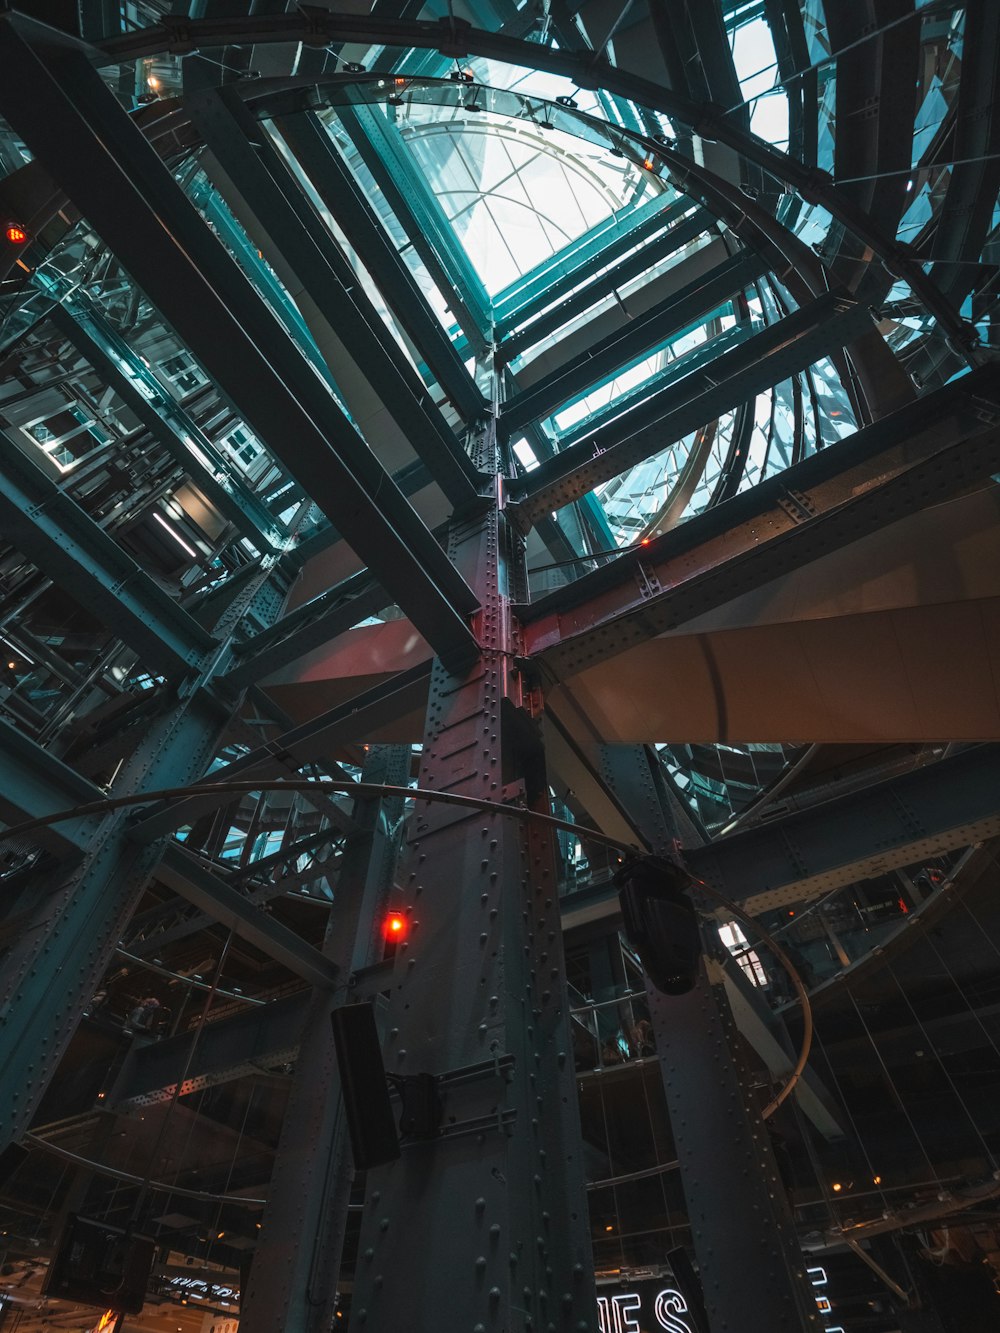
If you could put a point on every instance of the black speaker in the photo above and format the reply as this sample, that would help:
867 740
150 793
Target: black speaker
101 1265
370 1121
660 921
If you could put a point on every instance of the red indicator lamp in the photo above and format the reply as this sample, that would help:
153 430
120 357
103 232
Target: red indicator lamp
14 234
394 926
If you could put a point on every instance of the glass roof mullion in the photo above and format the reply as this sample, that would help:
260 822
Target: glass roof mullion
601 245
422 218
667 319
605 283
324 166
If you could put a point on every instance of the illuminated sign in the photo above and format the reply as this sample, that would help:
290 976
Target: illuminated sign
646 1309
624 1313
818 1278
196 1286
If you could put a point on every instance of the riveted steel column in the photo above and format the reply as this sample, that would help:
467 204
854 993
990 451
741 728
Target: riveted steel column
482 1229
751 1266
293 1281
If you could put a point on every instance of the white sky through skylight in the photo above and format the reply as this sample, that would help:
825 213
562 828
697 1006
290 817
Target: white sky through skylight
516 193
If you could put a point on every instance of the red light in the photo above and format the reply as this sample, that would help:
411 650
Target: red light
15 235
395 926
644 542
650 163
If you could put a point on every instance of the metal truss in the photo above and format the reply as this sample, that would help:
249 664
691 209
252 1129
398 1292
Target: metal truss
272 241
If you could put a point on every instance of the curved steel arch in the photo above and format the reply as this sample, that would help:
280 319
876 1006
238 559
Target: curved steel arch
455 37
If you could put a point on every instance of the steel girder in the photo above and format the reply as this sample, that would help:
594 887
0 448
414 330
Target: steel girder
51 972
323 536
941 807
63 540
155 930
874 147
333 182
33 782
877 375
669 236
965 217
297 233
455 37
86 139
253 1042
696 52
314 623
356 720
695 300
196 881
422 219
738 1209
753 365
915 457
599 247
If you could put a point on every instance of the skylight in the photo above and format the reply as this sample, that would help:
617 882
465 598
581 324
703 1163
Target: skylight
757 70
515 192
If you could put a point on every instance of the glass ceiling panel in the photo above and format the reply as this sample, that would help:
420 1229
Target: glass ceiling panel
516 194
757 70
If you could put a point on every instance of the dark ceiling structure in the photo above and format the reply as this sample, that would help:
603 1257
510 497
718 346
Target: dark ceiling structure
445 448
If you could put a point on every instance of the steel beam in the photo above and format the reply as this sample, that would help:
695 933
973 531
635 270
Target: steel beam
64 542
423 220
51 972
253 1042
939 808
196 882
964 219
935 809
157 927
755 364
694 301
33 783
873 149
455 37
579 260
87 141
751 1267
337 188
917 456
356 720
671 234
297 233
309 626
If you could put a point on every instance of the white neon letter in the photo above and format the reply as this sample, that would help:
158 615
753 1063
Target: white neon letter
624 1323
670 1304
